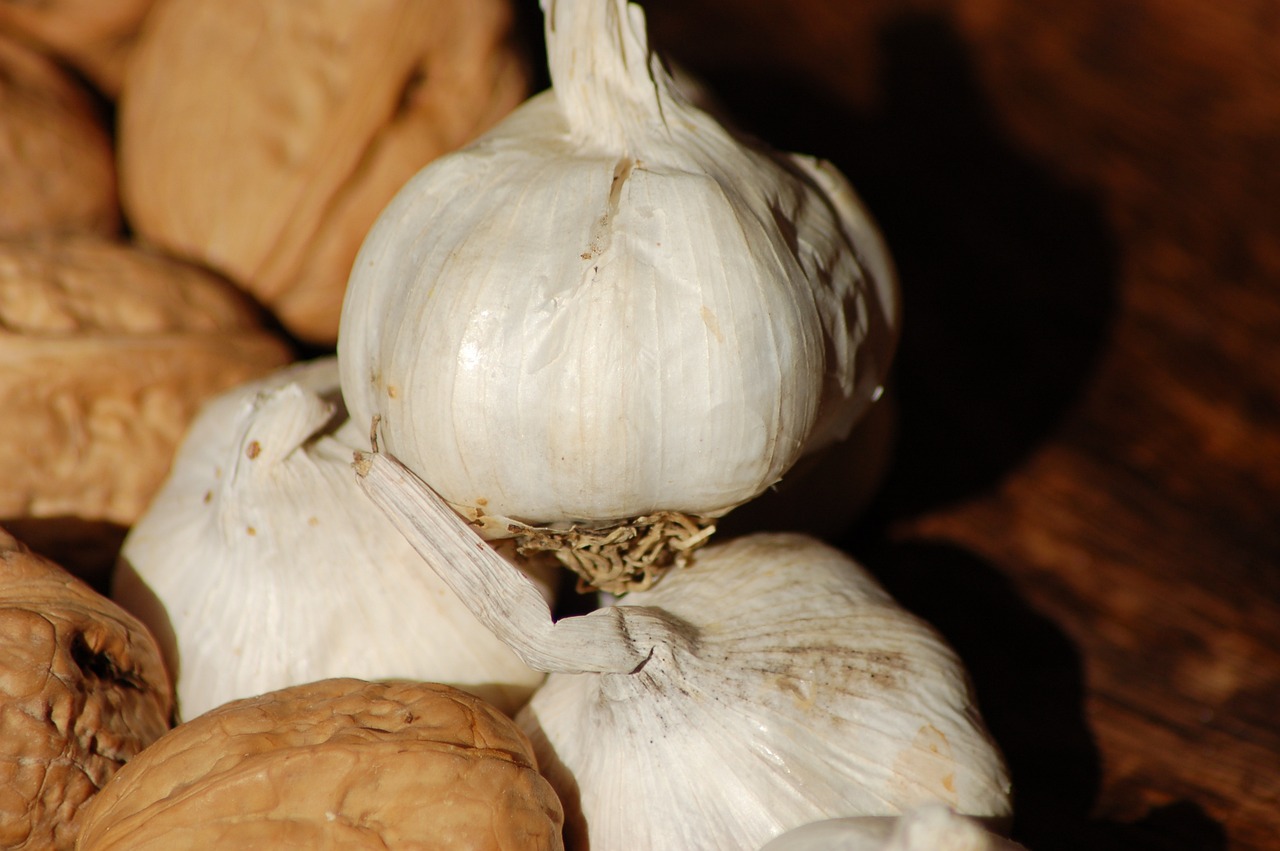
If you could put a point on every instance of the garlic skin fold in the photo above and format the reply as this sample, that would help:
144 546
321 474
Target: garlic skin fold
772 684
261 565
610 305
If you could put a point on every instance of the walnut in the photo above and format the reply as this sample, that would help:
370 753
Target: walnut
263 137
57 170
338 763
93 36
108 352
82 689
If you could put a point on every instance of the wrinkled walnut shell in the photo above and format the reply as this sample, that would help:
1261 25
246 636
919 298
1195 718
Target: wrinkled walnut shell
57 168
82 690
338 763
108 351
263 138
93 36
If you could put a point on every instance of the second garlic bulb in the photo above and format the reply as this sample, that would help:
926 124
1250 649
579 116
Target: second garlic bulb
261 565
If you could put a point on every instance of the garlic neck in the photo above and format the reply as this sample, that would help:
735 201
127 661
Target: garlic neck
614 94
614 639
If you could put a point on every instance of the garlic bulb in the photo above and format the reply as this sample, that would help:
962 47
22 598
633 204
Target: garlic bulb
770 685
611 313
261 565
932 827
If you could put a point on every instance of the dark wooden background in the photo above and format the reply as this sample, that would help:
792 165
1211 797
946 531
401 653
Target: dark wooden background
1084 200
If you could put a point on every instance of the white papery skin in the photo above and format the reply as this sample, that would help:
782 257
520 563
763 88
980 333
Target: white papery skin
260 564
808 694
932 827
610 306
771 684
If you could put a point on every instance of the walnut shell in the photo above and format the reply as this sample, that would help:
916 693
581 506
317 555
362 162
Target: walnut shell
93 36
108 351
338 763
57 168
264 137
82 689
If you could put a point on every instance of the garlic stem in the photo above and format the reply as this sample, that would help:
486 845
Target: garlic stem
612 93
614 639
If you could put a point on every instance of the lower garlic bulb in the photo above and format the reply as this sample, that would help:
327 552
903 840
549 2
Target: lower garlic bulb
772 684
261 565
807 693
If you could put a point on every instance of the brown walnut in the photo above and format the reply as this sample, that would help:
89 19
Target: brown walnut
82 690
92 36
108 351
57 169
341 763
263 137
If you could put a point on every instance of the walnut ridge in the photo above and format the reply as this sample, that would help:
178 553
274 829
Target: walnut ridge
82 690
338 763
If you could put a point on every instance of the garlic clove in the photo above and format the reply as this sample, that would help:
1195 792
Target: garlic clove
610 307
772 684
262 565
931 827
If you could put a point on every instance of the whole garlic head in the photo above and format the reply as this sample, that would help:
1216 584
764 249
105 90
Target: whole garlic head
261 565
807 692
610 307
772 684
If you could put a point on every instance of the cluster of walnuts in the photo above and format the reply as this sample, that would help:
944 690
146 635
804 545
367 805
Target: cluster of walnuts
184 185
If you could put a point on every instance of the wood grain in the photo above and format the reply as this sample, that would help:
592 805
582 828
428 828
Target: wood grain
1086 492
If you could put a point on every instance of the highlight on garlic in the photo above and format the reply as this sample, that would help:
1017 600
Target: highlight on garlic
610 320
261 565
772 684
932 827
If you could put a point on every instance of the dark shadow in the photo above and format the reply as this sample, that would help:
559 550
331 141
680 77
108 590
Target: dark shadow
1181 824
84 548
1008 274
1030 686
1027 673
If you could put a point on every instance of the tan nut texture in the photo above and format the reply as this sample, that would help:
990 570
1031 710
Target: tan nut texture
92 36
82 690
106 353
340 763
263 137
57 170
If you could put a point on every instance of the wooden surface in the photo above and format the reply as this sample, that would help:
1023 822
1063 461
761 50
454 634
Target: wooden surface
1084 200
